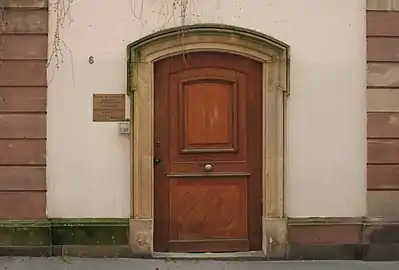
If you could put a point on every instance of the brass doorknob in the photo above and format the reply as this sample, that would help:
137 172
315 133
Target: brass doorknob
208 168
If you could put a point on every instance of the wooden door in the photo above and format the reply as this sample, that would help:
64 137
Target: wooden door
208 153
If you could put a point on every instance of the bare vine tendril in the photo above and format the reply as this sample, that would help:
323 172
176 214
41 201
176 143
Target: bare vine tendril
3 26
62 9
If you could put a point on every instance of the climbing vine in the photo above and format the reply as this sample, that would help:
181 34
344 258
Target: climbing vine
3 25
61 9
170 10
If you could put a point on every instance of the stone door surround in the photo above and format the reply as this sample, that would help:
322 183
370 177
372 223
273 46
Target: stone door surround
208 37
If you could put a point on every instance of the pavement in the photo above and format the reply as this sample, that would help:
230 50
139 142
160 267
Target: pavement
63 263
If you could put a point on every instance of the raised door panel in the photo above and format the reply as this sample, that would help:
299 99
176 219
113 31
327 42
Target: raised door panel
208 113
207 213
208 116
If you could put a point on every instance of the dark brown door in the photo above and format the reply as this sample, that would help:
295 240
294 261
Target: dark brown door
208 153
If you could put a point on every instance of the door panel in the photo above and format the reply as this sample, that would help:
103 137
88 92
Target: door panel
207 116
201 211
208 111
204 126
208 139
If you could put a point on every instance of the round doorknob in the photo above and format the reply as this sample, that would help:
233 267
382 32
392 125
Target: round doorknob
208 167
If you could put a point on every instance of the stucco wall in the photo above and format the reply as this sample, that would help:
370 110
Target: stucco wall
88 172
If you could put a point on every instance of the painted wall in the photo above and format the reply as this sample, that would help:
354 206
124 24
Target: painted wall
88 172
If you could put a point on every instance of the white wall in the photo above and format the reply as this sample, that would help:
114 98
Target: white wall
88 170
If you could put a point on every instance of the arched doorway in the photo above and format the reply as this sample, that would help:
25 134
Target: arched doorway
189 169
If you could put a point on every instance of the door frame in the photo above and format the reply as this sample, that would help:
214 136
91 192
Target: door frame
274 55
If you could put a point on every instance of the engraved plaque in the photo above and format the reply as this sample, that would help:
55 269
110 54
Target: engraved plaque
108 107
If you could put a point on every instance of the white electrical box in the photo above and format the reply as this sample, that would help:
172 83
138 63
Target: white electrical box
124 128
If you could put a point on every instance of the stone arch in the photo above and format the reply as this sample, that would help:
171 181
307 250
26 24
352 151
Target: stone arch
273 54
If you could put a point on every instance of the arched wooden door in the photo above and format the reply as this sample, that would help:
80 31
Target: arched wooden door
208 153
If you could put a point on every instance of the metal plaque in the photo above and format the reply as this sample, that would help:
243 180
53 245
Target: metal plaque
108 107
